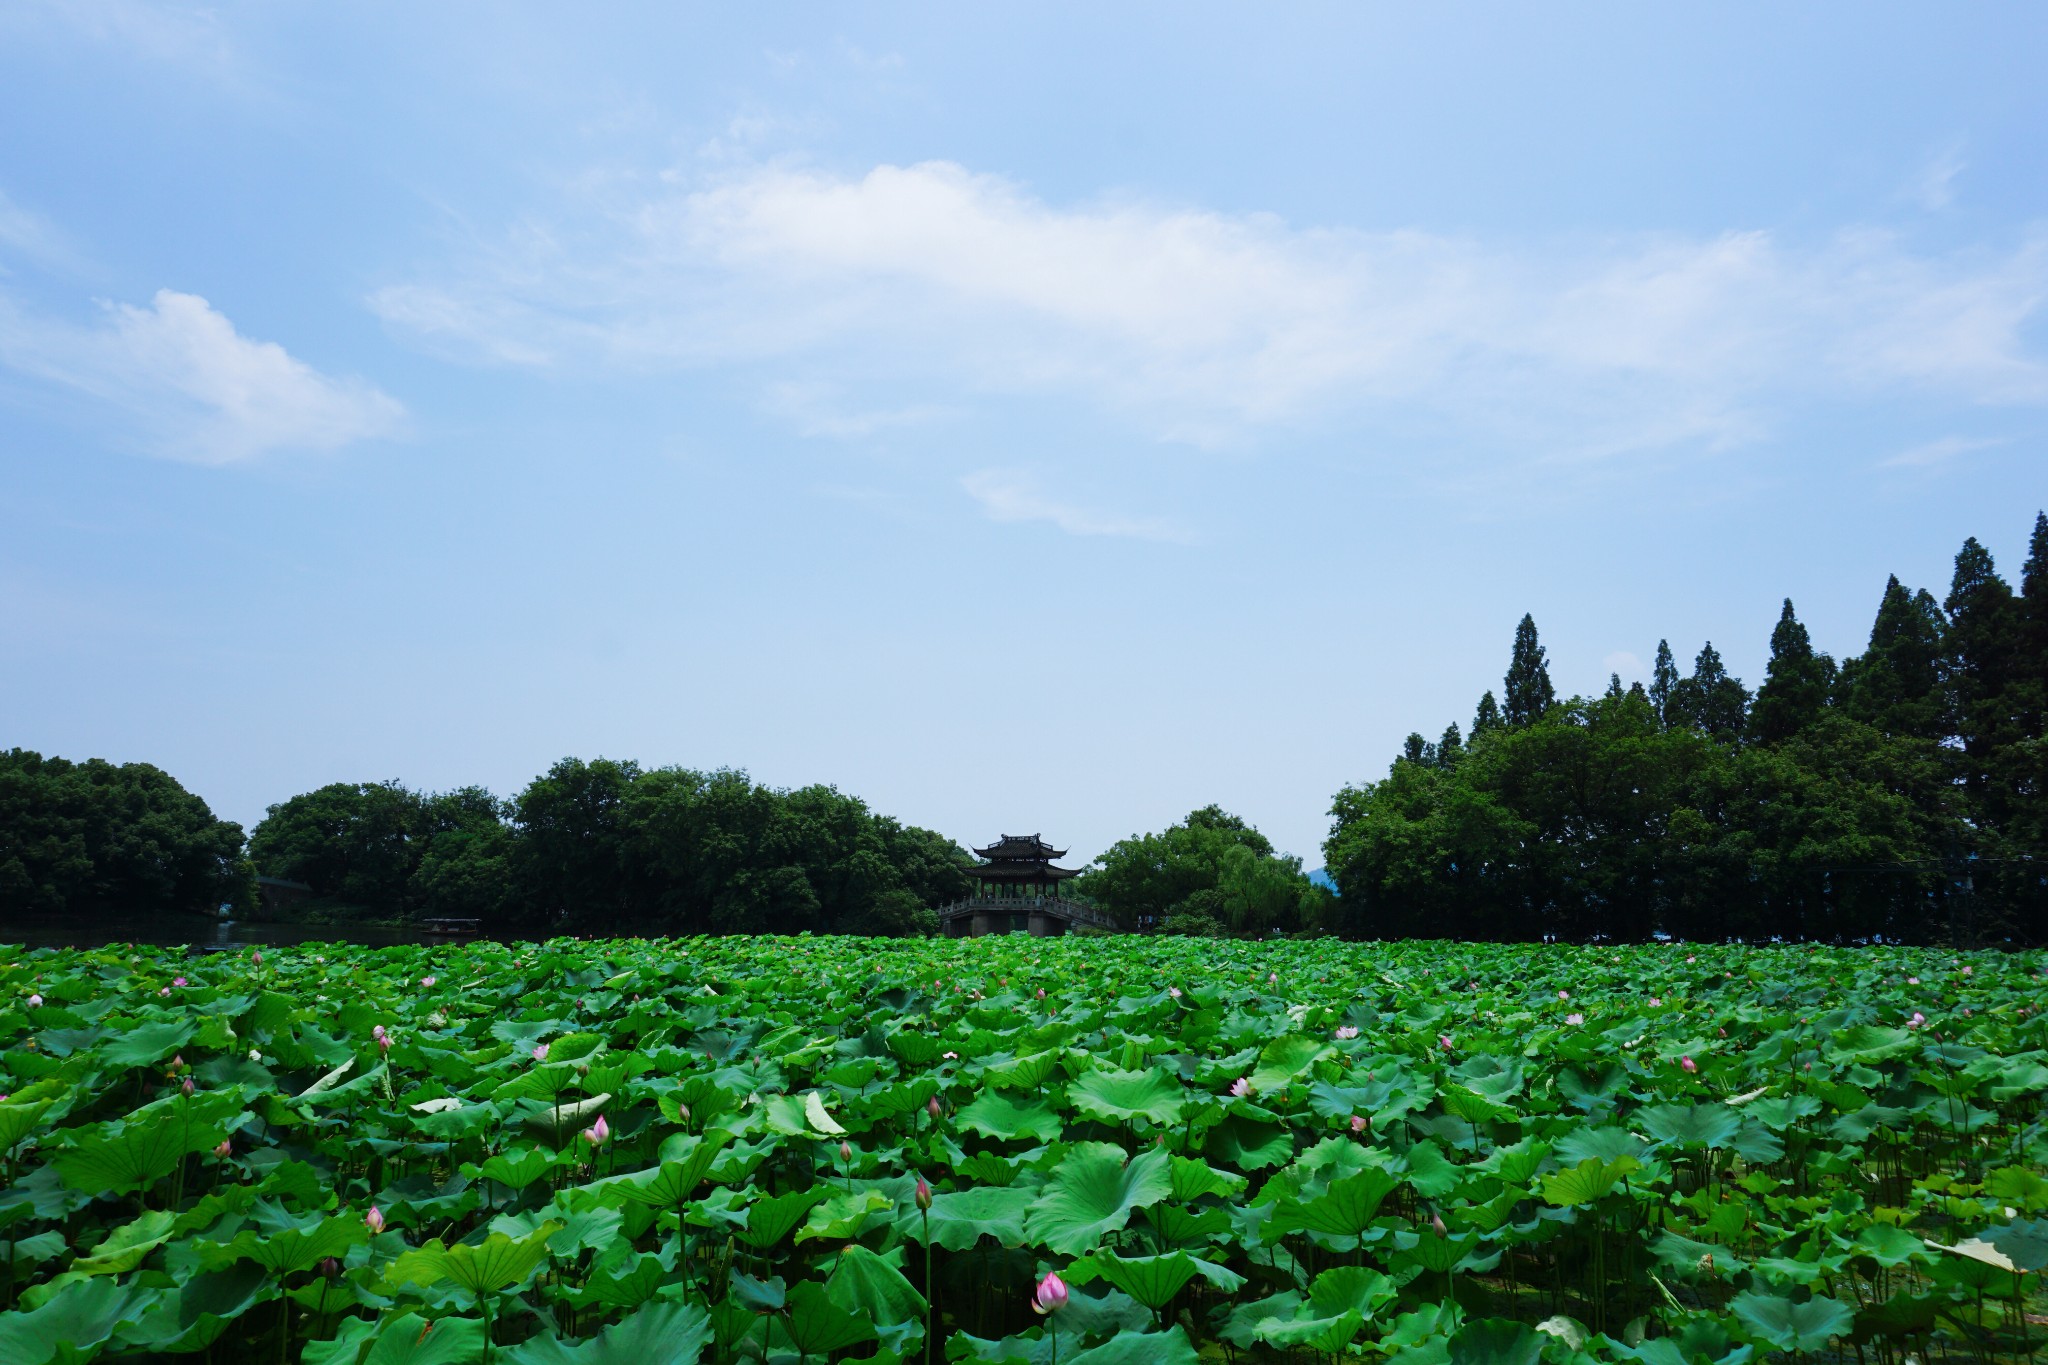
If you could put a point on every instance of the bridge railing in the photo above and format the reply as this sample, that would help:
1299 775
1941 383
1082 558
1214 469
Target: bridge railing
1077 912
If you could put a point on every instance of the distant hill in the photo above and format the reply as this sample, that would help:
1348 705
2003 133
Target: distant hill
1321 877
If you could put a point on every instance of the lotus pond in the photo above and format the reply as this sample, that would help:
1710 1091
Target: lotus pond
588 1153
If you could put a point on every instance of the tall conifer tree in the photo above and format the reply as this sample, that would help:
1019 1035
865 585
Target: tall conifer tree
1711 700
1796 683
1896 684
2030 668
1663 681
1487 716
1451 745
1527 692
1983 648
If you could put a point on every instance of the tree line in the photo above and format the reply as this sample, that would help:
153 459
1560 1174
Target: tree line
609 847
1901 793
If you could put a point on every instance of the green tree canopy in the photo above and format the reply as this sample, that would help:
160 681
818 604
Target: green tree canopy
97 838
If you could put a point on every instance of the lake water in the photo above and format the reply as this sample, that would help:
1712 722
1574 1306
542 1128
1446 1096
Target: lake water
202 935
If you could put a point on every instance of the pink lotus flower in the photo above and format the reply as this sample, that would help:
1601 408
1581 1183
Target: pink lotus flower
1272 978
540 1052
225 1150
1041 992
1241 1087
427 981
1443 1040
597 1132
1656 1002
923 1194
163 990
1347 1031
1051 1295
374 1219
1173 991
1564 995
1358 1123
1690 958
1966 969
1912 981
1691 1067
35 1002
1917 1020
178 981
1575 1019
949 1056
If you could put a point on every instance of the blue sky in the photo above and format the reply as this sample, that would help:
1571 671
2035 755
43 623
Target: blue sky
1024 416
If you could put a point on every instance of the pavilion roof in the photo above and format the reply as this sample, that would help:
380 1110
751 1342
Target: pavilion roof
1016 846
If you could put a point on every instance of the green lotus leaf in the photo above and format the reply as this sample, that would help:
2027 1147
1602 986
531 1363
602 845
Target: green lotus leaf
659 1334
517 1170
960 1218
126 1245
1345 1209
867 1285
1151 1280
1093 1191
1792 1326
1496 1341
818 1326
146 1044
1590 1180
496 1263
1121 1096
410 1339
1248 1144
771 1220
995 1115
74 1322
1284 1059
1139 1348
1690 1125
285 1250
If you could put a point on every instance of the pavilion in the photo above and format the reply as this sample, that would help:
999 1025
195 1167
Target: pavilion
1017 891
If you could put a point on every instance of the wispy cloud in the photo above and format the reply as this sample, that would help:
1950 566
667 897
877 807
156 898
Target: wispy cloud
816 409
184 35
1938 452
32 237
1008 496
1935 188
191 387
1206 326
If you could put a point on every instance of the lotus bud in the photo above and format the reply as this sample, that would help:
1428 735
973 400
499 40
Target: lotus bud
1692 1067
1241 1087
924 1194
187 1087
178 1062
258 958
540 1052
225 1150
1051 1295
1358 1123
35 1002
330 1267
931 1107
845 1152
163 990
1443 1040
1436 1225
374 1220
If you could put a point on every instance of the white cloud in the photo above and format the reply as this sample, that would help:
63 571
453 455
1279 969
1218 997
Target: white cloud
192 386
1007 496
35 238
819 410
1937 452
1204 326
1935 189
1623 663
